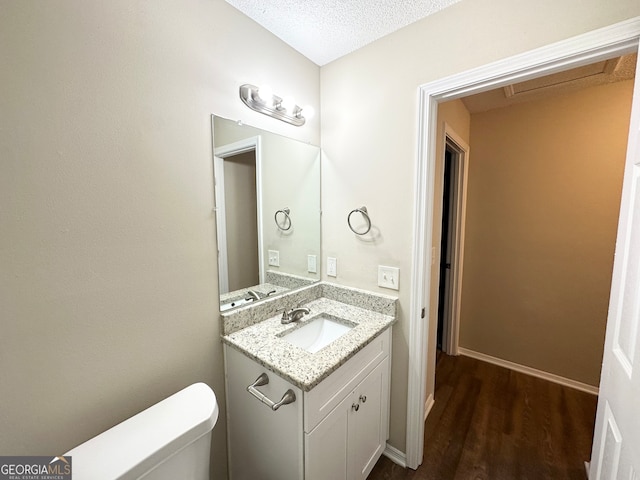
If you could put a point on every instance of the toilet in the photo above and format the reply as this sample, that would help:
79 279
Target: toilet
169 440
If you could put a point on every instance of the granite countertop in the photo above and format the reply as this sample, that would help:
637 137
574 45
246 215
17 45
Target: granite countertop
262 342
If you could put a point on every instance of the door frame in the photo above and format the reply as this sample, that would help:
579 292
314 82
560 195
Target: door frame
617 39
459 205
250 144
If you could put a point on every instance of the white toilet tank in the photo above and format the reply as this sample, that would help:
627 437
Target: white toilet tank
167 441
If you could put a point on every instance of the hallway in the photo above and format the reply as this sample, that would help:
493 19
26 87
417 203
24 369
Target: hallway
492 423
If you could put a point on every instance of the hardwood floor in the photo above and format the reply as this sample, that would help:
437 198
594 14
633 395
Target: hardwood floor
491 423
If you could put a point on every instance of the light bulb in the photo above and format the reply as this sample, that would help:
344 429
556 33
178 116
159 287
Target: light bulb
288 103
308 112
266 95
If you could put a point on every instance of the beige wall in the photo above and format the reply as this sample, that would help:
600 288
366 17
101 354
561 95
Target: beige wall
108 285
369 131
544 191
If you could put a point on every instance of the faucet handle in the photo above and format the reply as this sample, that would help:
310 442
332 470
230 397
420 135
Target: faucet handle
285 316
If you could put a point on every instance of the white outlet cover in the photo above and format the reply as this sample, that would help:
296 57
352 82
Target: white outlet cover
274 258
332 269
312 264
388 277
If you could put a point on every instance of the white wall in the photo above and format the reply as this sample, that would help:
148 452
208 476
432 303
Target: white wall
108 284
369 131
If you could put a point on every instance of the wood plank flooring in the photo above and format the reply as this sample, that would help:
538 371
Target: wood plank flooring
491 423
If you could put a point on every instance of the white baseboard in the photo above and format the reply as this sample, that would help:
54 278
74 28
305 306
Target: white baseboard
396 456
586 467
567 382
428 405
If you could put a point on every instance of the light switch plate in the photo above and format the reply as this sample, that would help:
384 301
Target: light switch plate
312 264
332 268
274 258
388 277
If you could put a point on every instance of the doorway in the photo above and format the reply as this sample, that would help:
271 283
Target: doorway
444 291
601 44
454 191
238 198
241 220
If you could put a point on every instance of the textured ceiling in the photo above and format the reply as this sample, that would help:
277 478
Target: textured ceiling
323 30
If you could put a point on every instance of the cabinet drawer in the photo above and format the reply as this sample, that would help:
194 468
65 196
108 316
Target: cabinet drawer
331 391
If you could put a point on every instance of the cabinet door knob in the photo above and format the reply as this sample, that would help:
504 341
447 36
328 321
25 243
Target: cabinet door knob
363 398
355 406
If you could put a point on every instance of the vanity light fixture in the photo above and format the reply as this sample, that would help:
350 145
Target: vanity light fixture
263 101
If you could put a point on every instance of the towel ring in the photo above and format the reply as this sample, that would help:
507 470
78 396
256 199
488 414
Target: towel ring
365 214
286 221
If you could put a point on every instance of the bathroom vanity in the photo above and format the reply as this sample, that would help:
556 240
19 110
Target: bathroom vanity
322 410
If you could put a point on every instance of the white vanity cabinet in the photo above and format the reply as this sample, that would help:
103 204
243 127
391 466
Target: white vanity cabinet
337 430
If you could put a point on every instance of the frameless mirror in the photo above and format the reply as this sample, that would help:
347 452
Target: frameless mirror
267 197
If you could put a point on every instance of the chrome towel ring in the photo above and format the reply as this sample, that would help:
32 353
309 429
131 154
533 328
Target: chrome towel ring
365 214
286 219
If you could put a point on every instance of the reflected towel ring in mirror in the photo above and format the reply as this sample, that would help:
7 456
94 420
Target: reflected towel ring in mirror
286 219
365 214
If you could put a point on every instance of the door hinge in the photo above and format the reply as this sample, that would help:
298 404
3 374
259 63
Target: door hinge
423 312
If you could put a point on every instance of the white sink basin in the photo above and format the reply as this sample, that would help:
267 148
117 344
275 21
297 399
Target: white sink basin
317 333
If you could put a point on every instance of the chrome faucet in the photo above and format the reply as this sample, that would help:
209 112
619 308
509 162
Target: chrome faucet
252 296
294 314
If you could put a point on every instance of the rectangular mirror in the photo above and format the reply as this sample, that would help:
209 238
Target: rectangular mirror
267 197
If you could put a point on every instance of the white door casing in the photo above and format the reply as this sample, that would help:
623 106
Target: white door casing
616 445
221 225
601 44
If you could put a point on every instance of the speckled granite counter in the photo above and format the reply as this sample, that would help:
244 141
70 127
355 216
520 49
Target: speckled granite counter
259 338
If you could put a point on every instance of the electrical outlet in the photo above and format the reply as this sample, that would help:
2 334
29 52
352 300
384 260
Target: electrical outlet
312 264
388 277
332 268
274 258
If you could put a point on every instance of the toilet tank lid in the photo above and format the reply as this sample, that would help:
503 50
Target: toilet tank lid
138 444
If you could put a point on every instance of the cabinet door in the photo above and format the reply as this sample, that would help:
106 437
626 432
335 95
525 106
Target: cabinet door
347 443
367 424
326 445
263 444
